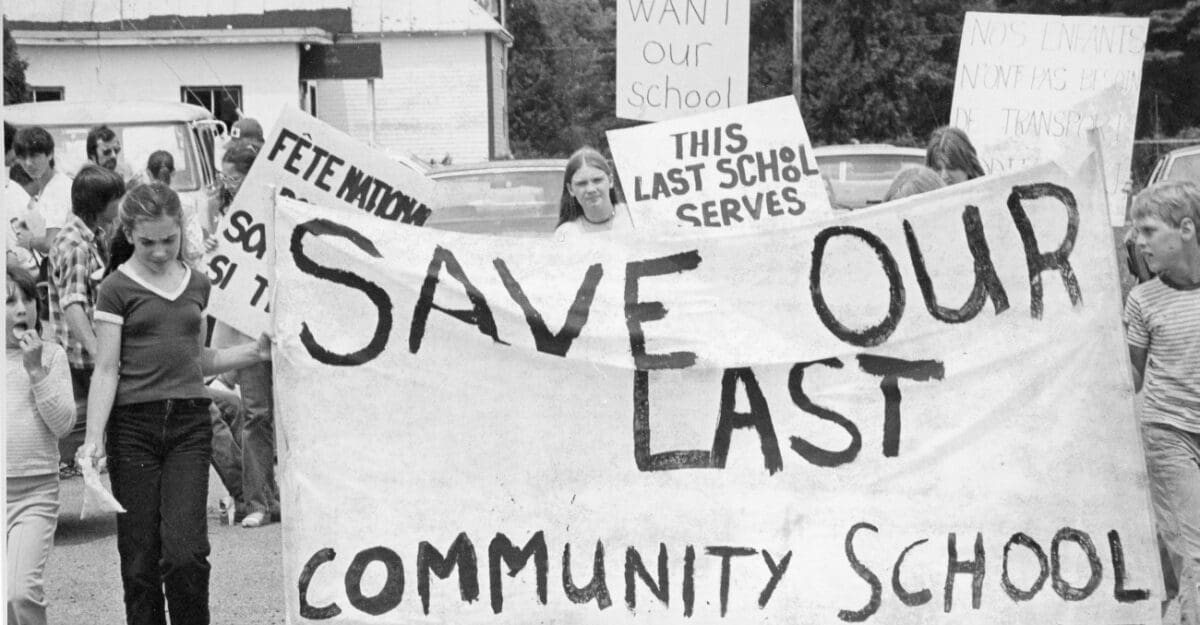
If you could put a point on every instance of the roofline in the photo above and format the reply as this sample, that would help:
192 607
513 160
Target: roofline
376 35
111 111
100 38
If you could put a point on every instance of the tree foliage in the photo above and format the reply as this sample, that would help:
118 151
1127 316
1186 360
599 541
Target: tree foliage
15 89
873 70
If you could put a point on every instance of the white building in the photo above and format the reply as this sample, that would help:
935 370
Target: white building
414 77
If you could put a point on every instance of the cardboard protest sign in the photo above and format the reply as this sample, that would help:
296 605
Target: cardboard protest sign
1029 87
747 167
914 415
306 159
681 57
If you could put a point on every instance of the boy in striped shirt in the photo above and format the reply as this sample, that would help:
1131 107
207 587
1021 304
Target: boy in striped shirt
1162 324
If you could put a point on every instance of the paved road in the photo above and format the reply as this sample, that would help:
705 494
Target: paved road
84 581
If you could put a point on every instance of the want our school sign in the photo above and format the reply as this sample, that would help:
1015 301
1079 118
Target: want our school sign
916 414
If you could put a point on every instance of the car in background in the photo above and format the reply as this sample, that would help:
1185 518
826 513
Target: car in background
508 198
188 132
1181 164
861 173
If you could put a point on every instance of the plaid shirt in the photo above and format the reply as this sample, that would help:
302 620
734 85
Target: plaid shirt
76 265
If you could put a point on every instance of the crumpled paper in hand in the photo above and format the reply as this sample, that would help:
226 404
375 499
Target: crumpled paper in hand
96 499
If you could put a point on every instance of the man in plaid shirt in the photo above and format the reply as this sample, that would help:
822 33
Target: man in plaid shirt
77 261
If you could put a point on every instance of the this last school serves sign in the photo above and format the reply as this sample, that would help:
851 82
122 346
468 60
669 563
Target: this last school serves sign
747 167
906 416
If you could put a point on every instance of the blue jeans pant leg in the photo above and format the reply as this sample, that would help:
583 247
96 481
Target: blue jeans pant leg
1173 462
258 439
158 462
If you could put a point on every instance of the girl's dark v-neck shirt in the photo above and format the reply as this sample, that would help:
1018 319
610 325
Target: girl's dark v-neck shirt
160 335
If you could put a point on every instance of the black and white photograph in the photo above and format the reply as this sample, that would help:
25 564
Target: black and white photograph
611 312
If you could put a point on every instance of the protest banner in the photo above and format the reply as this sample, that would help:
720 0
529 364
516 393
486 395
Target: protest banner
915 415
306 159
747 167
1029 87
681 57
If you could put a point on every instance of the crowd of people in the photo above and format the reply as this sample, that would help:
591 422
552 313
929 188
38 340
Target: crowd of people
105 322
106 326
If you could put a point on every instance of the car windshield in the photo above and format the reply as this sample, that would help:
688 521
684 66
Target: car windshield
138 142
1185 168
513 203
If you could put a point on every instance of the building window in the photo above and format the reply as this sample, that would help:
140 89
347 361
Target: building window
46 94
224 102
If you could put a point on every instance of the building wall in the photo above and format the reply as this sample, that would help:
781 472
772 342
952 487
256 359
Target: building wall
432 100
499 71
267 73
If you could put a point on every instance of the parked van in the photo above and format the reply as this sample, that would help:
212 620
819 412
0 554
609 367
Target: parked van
188 132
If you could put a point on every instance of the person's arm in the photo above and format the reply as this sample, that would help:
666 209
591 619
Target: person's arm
103 390
81 327
70 275
1137 336
1137 356
214 361
50 382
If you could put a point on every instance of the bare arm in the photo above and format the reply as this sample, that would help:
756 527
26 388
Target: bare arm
103 390
214 361
81 327
1137 355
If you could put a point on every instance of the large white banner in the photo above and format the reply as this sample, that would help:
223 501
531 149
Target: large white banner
920 413
307 159
1029 87
747 167
681 57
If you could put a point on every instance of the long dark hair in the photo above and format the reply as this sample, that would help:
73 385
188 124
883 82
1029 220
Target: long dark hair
147 201
568 207
950 148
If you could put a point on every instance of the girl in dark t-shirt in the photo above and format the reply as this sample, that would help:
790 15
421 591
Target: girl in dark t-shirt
147 395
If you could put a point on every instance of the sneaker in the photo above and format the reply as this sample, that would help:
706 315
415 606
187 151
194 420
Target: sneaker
254 519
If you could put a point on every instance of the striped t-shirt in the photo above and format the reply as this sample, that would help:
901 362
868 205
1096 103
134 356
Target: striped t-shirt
1164 319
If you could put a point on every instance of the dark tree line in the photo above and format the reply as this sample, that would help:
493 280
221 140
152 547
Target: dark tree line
874 70
15 89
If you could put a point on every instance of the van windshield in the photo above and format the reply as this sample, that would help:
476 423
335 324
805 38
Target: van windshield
138 142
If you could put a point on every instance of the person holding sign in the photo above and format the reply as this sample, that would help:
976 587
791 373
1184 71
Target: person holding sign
589 200
1162 322
951 154
148 399
259 490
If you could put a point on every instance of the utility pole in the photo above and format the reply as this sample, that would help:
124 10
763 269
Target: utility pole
797 29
